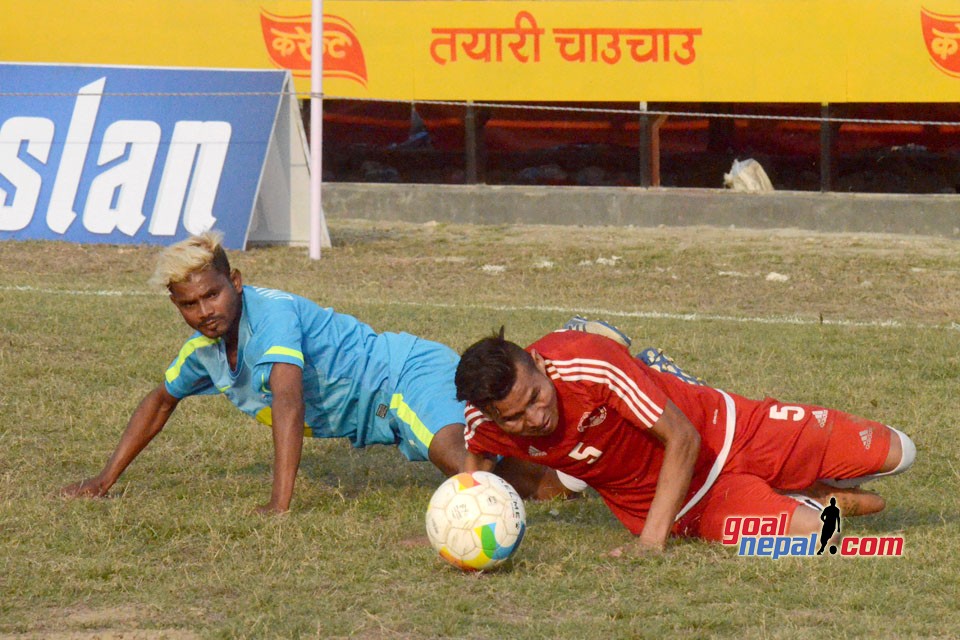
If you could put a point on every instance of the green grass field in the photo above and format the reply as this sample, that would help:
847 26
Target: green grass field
861 323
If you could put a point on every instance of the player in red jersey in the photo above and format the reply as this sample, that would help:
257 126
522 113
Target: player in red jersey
665 455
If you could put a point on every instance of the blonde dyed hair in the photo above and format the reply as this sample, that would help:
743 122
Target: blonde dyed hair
197 253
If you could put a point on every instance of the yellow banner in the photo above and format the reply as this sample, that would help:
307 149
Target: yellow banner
639 50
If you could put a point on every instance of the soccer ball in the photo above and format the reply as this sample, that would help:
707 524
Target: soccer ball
475 520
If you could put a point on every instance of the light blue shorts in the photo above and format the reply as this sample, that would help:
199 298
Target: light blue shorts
425 399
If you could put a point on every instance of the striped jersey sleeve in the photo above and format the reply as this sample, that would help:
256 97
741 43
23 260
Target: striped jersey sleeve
473 419
188 375
623 388
275 332
483 437
606 371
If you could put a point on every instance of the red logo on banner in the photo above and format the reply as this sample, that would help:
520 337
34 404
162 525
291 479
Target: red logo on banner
288 41
942 36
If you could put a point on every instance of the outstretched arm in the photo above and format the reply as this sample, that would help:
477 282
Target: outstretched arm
146 422
286 383
681 446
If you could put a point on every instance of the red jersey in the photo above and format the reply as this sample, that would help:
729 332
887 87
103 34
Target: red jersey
608 400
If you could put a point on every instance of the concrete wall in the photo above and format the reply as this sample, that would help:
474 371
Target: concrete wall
934 215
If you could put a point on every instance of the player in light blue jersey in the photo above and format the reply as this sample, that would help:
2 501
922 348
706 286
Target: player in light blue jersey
302 369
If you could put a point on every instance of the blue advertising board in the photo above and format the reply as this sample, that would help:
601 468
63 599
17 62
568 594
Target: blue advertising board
131 155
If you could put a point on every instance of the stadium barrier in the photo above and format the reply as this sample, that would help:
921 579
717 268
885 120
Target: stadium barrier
425 133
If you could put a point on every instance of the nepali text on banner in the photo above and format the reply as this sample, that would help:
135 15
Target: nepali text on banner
549 50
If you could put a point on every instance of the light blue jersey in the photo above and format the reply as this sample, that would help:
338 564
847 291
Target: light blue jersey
388 388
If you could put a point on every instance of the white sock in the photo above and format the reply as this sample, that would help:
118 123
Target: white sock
574 484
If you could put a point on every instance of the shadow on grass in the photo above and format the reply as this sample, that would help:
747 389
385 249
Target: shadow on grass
903 518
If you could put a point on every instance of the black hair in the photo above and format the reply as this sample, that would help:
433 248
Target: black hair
488 371
220 261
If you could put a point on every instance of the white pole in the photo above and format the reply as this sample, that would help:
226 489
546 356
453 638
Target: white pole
316 129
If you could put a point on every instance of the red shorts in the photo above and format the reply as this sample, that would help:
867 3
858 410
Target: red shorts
791 447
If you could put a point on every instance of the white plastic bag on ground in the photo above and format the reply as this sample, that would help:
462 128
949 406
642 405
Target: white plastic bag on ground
747 175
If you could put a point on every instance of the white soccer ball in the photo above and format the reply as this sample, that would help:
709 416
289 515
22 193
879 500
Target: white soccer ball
476 520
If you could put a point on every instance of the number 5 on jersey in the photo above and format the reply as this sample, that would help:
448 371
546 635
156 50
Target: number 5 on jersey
787 412
582 452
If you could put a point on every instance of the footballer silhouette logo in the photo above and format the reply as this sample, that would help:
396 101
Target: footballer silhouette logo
830 517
